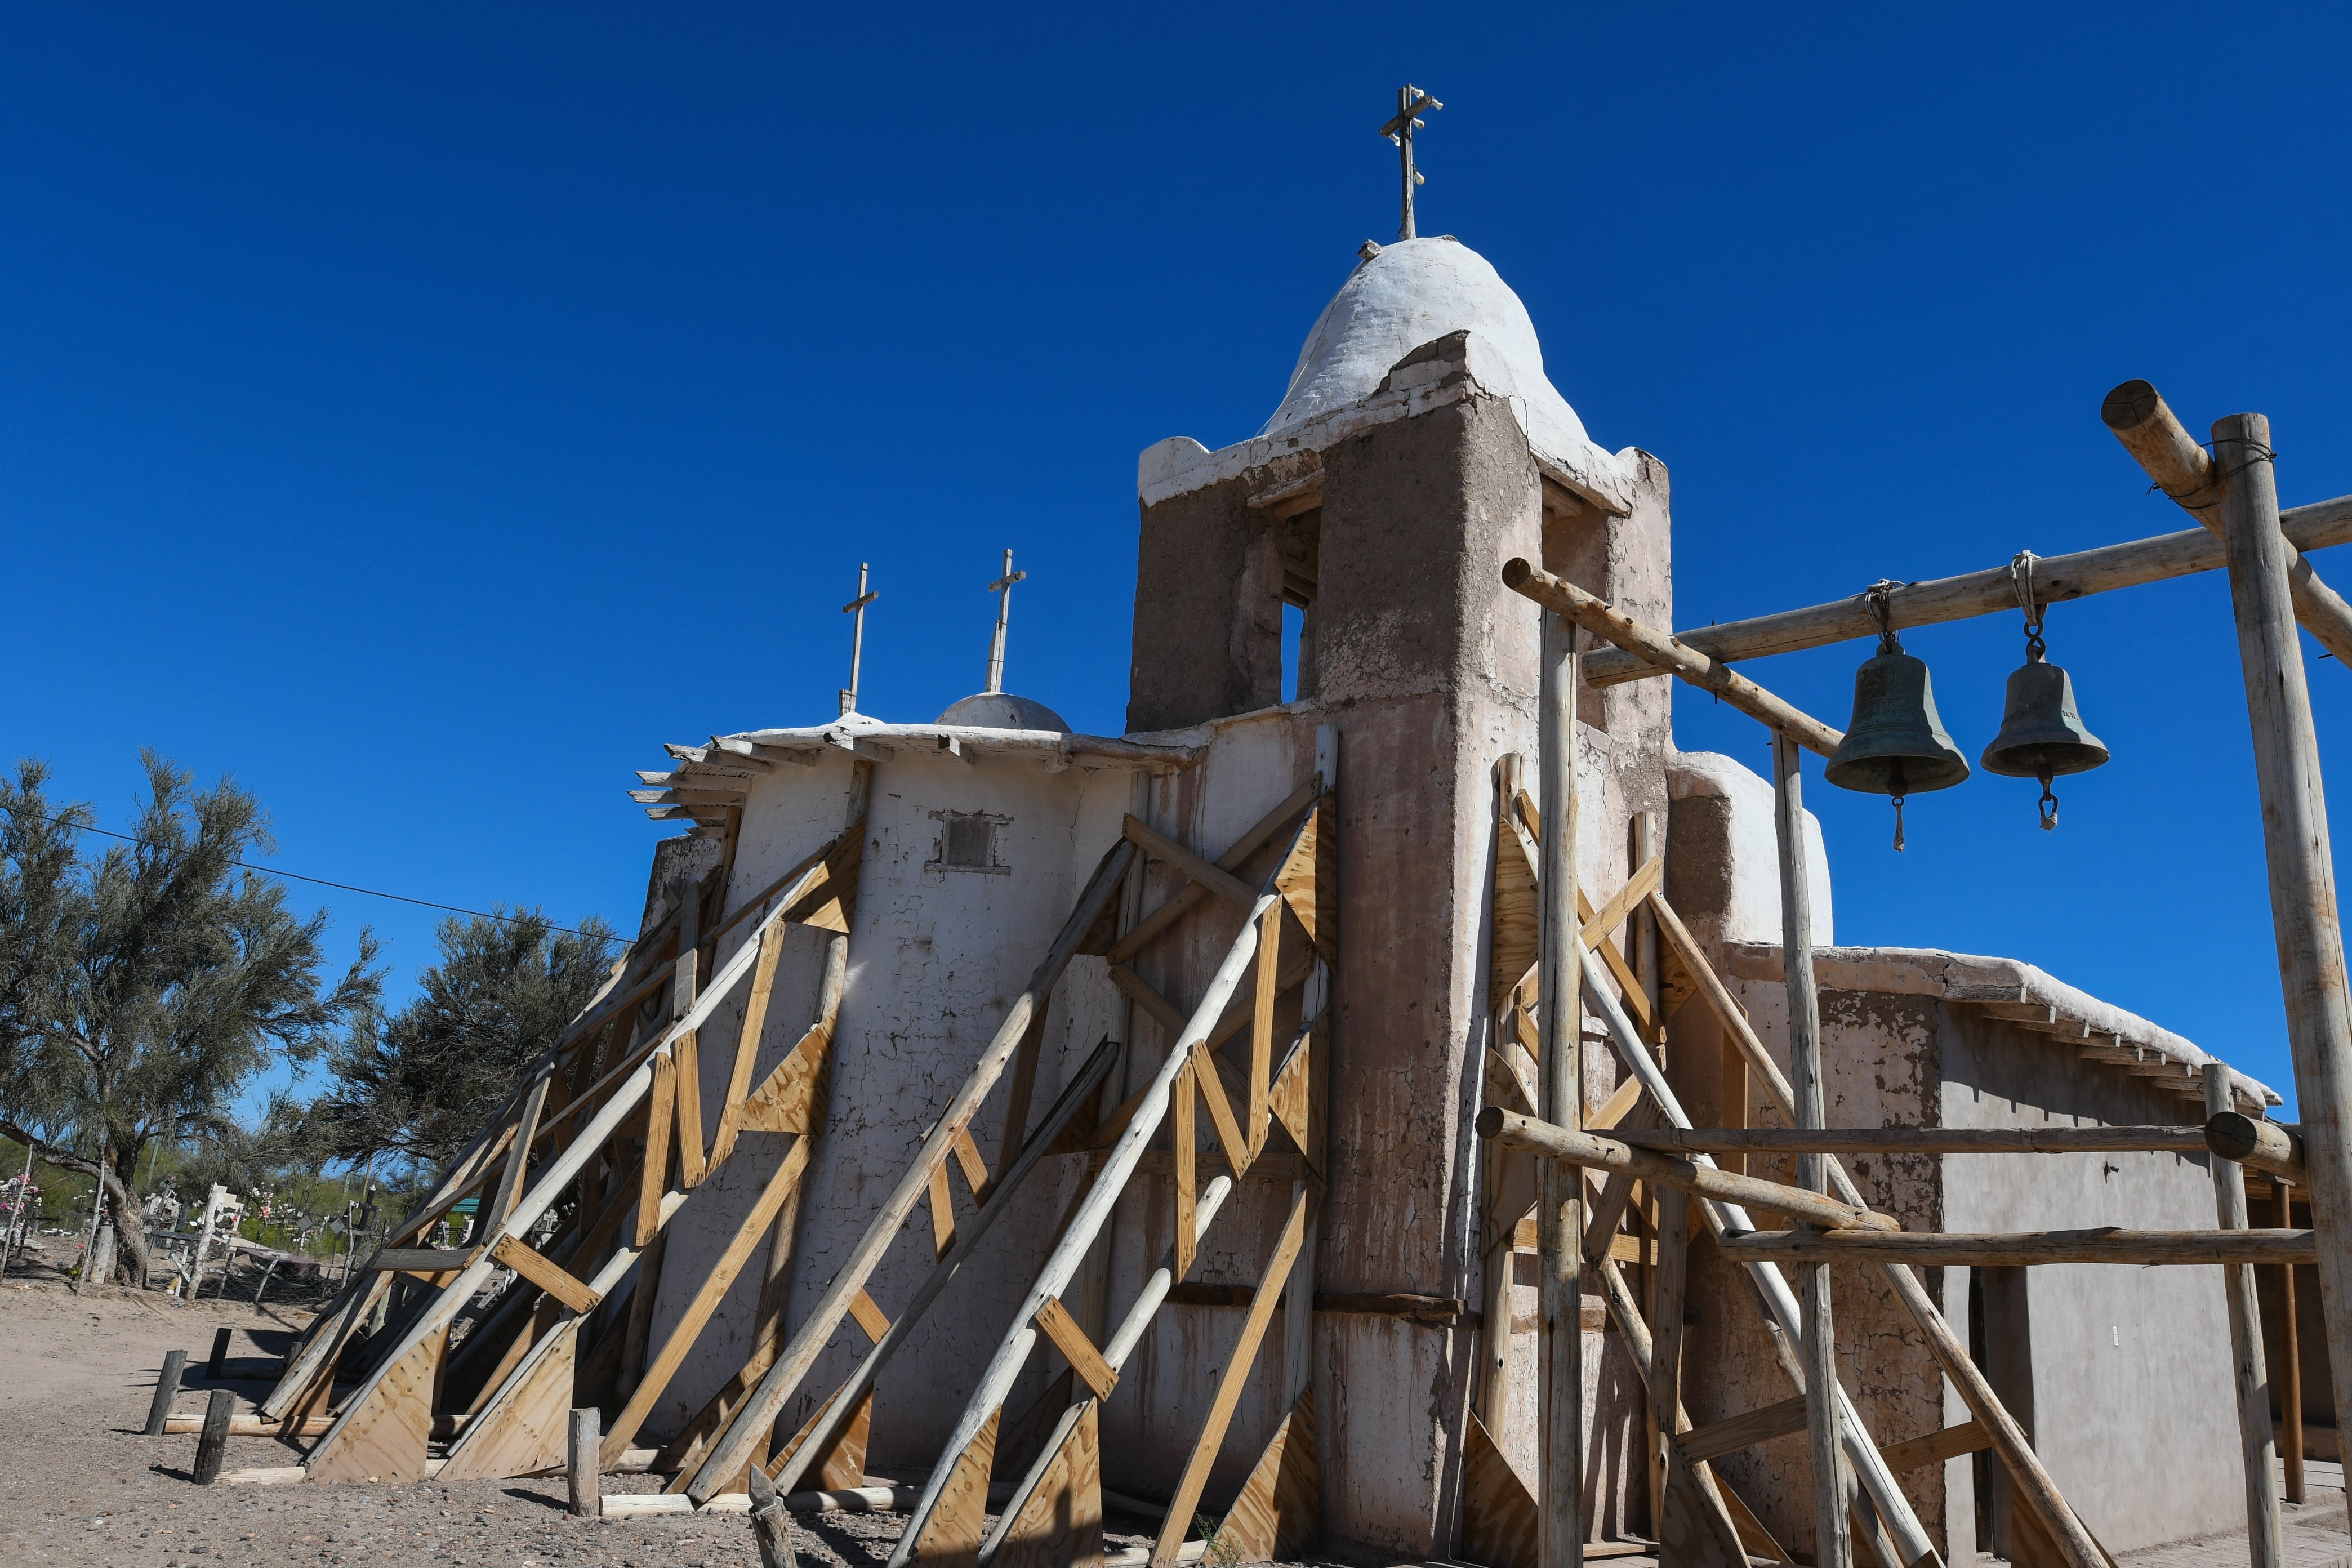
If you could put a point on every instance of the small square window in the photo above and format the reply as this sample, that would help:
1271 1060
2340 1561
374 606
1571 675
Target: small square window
966 842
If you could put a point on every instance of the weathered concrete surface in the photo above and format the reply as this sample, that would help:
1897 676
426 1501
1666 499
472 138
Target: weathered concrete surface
1208 611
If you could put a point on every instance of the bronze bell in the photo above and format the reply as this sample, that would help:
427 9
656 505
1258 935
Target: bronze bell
2042 736
1896 744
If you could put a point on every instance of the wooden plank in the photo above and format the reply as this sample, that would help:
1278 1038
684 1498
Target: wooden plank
423 1259
974 1168
1016 1103
510 1179
1603 924
747 1043
1669 1277
1743 1430
1993 592
1059 1525
1180 1115
713 1290
1055 1321
1277 1517
943 1202
1141 991
951 1534
1559 1100
653 1174
1636 997
1309 878
384 1438
534 1265
1207 873
1921 1139
1181 1508
868 1316
1212 1086
1499 1527
2290 1363
1565 1147
692 1167
1260 1052
1149 929
528 1430
786 1098
1936 1448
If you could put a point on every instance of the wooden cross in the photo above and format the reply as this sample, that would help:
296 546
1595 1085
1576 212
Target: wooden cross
1411 100
1003 589
856 638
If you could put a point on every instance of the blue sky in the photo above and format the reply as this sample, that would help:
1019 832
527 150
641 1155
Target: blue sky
421 416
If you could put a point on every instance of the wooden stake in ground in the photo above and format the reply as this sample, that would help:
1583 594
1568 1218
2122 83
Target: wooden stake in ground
220 1353
167 1389
214 1440
2263 1541
772 1524
1832 1546
2303 913
1560 1217
581 1467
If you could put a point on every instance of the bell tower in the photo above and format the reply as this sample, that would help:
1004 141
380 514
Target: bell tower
1419 446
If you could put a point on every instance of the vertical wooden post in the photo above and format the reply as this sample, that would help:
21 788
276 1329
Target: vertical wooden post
220 1351
1559 1222
1832 1546
2290 1360
1642 947
2263 1540
213 1441
167 1389
2303 913
1497 1266
1667 1280
771 1526
584 1463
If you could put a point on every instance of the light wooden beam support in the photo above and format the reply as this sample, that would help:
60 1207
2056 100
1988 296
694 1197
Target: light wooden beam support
2303 910
1926 1140
2183 470
1832 1544
2264 1542
2264 1145
1560 1101
2290 1362
2018 1249
1566 1146
2056 579
1666 654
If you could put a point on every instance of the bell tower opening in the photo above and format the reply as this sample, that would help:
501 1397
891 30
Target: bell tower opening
1300 539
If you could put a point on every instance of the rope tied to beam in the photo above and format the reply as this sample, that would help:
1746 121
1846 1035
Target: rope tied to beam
1875 597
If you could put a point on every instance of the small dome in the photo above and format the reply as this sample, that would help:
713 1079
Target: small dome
1414 292
1002 711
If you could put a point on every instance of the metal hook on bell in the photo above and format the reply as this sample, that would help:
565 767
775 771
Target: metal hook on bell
2041 734
1895 744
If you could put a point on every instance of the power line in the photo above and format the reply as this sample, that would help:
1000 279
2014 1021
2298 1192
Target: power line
298 877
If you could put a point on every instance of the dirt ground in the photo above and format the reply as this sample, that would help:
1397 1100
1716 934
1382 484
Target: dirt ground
77 1373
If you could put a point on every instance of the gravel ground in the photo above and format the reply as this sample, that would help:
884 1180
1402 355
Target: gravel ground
85 1488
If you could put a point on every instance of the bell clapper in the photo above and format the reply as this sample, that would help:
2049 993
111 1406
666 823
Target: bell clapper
1898 825
1897 788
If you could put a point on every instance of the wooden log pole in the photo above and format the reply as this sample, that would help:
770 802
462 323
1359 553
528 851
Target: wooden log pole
2020 1249
2303 913
2254 1443
2250 1141
220 1351
1921 1139
1668 1283
583 1467
1596 615
772 1521
1833 1545
2183 470
1567 1146
2290 1362
1560 1101
167 1389
212 1442
2056 578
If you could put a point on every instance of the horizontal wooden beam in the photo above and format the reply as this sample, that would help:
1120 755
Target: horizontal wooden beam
2264 1145
1921 1139
1509 1129
1199 867
423 1259
1743 1430
1659 651
2056 579
2107 1243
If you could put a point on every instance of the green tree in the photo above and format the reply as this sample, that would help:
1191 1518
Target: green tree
418 1089
140 992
